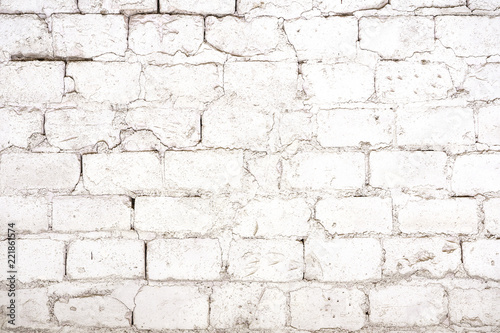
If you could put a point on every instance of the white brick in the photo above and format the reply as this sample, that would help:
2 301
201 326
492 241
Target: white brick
165 33
116 82
100 311
277 8
31 309
172 307
492 216
117 6
408 169
406 82
410 5
197 6
435 126
81 126
347 127
87 36
105 258
482 258
323 38
242 37
466 179
265 217
255 305
30 214
483 82
349 6
469 36
323 171
488 125
354 259
206 170
77 213
46 7
266 170
265 260
295 126
25 36
451 216
338 83
174 127
122 173
184 259
408 305
355 215
17 127
31 82
396 37
36 172
315 308
483 4
475 307
434 256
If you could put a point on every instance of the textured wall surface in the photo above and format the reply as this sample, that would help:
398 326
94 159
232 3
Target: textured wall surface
251 166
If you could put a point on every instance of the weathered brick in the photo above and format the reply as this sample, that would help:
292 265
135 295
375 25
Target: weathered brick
30 214
171 307
122 173
117 6
184 259
354 259
482 258
36 172
466 180
277 8
165 33
347 127
492 216
475 307
295 126
17 127
31 309
323 171
78 213
488 125
349 6
483 4
355 215
204 7
25 36
315 308
46 7
266 170
411 5
408 169
451 216
104 258
265 260
403 305
483 82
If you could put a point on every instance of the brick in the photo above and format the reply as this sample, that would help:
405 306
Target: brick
265 260
204 170
450 216
25 36
31 308
412 82
117 6
36 172
467 181
265 217
277 8
323 170
115 82
354 259
338 83
181 85
171 307
411 5
393 169
295 126
122 173
355 215
255 305
434 256
350 6
488 125
481 258
17 127
396 37
100 311
316 308
204 7
165 33
435 126
241 37
475 307
78 213
31 82
81 126
346 127
266 170
492 216
184 259
483 4
469 36
46 7
30 214
174 127
105 258
408 305
482 82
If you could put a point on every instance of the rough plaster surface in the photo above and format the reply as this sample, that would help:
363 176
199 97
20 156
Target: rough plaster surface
251 166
